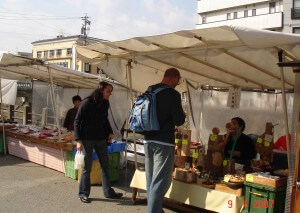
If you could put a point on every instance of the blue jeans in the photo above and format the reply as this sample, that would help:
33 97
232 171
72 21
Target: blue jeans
100 147
159 163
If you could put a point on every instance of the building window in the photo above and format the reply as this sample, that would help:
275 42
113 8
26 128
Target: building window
87 67
58 52
272 7
253 12
203 20
69 51
39 54
45 54
228 16
245 13
235 15
63 64
296 10
296 30
51 54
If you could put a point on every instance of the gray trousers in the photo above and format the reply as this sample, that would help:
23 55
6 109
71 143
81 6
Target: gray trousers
159 163
102 153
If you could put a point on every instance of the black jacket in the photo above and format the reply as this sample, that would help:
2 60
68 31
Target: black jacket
91 122
70 118
169 113
244 145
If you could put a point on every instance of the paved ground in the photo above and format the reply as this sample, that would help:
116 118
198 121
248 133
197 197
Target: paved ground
28 187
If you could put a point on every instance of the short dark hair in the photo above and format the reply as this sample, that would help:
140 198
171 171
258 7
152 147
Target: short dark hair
172 72
241 123
76 98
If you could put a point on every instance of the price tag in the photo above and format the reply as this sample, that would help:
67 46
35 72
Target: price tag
195 155
268 137
226 179
224 162
213 137
185 142
176 141
249 178
259 140
267 143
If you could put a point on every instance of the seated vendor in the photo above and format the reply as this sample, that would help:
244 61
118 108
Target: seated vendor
71 114
244 149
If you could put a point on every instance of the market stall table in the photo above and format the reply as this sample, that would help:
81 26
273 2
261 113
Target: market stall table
41 151
195 195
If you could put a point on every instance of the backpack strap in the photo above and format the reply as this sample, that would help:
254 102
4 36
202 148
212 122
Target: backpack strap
158 90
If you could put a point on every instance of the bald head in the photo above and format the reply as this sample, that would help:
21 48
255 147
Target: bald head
172 73
171 77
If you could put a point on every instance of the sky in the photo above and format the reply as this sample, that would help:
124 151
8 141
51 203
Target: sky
25 21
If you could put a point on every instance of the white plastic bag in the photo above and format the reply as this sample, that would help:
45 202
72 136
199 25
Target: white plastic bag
79 160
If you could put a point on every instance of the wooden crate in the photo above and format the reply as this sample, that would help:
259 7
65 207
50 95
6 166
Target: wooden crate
266 181
224 188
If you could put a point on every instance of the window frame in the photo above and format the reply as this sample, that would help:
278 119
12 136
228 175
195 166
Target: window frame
270 7
69 49
58 52
235 15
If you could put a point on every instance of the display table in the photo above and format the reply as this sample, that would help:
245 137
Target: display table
195 195
47 153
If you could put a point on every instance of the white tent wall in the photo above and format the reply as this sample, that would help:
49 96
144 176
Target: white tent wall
41 98
9 91
265 106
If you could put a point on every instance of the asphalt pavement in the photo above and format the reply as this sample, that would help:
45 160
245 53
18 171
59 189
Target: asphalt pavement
28 187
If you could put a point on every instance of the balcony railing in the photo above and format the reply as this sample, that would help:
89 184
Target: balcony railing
265 21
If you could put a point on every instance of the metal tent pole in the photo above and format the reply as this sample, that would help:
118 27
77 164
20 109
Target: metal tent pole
2 116
55 110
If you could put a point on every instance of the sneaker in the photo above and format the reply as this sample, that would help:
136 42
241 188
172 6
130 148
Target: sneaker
115 196
84 199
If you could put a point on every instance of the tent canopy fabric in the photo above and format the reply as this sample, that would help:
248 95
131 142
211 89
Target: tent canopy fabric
216 57
22 68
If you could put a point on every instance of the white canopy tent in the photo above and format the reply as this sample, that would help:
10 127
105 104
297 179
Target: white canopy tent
21 68
219 57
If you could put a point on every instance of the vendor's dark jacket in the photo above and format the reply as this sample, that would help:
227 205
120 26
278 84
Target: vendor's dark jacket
70 117
245 146
169 113
91 122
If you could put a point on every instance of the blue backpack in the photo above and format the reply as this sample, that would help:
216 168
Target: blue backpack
143 116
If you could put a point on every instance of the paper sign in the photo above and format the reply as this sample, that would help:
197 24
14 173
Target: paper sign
195 155
269 137
226 179
176 141
185 142
259 140
249 178
213 137
224 162
267 143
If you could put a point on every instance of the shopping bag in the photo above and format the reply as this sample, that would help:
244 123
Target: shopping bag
79 160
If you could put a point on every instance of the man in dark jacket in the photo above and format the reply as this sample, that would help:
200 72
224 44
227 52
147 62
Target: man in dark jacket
71 114
160 145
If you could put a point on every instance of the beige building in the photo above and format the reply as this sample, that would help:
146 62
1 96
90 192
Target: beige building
61 51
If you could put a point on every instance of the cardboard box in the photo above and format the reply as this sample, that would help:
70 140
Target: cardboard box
224 188
265 144
180 161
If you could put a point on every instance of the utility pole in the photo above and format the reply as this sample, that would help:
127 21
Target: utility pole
85 29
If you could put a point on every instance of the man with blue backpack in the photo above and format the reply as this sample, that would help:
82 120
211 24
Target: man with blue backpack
155 115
